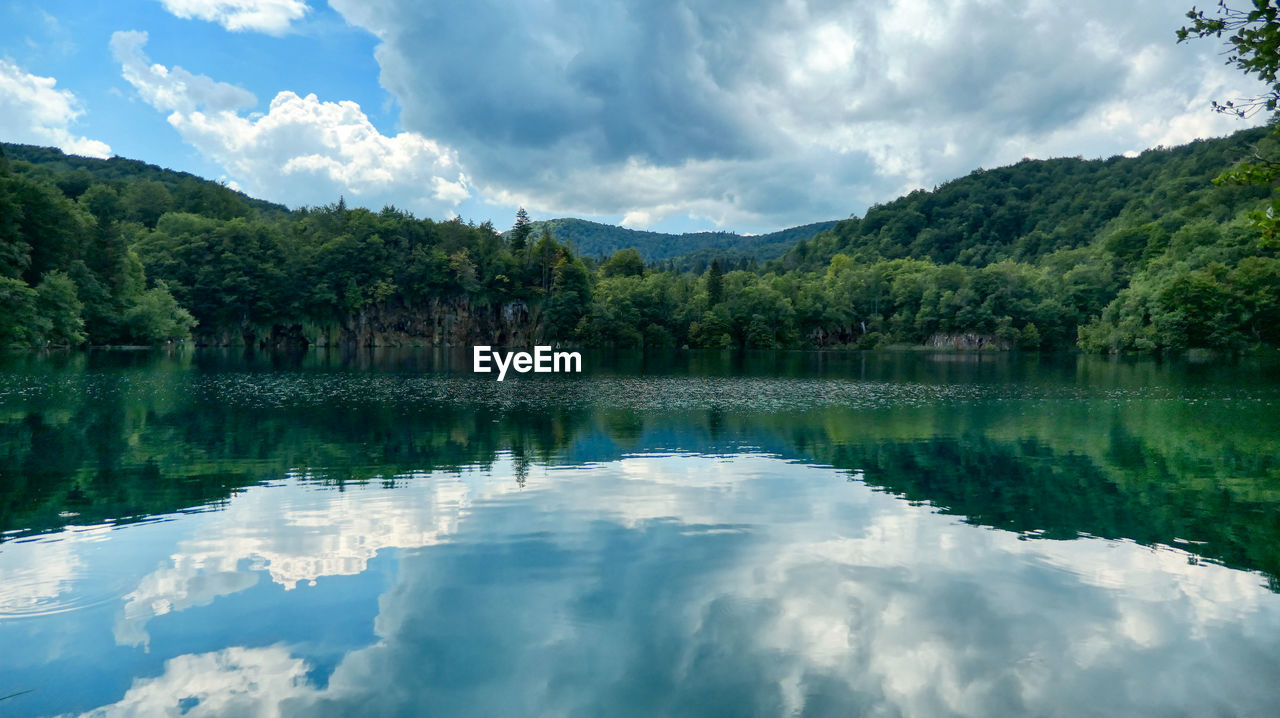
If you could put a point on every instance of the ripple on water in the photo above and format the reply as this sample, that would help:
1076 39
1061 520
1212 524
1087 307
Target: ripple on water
58 573
30 594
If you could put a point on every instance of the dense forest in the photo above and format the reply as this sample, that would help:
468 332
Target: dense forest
1145 253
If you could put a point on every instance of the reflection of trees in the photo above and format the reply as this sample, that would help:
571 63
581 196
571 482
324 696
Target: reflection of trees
1154 472
1029 488
115 457
520 461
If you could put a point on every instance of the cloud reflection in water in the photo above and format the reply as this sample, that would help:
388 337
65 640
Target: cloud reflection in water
681 585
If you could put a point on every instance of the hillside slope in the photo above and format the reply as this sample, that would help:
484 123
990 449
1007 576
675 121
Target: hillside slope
74 174
593 239
1028 210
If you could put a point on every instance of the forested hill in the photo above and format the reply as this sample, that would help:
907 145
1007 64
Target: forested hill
593 239
186 192
1146 253
1024 212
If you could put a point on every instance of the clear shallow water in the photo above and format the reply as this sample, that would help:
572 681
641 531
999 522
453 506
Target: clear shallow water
867 534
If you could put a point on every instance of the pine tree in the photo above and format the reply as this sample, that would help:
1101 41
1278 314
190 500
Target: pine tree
715 283
520 231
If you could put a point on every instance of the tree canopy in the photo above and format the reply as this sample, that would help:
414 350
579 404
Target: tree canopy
1253 37
1143 253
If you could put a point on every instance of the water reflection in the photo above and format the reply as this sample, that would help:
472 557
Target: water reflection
1140 452
754 586
215 536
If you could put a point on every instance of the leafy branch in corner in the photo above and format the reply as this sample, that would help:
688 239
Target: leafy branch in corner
1253 37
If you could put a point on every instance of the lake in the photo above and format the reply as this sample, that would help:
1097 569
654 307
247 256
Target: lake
384 533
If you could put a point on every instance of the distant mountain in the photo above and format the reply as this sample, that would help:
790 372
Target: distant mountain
594 239
691 250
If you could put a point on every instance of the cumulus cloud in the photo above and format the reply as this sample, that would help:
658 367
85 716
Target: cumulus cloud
762 113
302 150
273 17
34 111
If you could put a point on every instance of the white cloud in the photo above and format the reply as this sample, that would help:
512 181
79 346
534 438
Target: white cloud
637 219
297 538
233 681
273 17
302 150
34 111
174 89
762 113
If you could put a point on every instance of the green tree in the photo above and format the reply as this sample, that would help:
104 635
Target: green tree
570 297
104 203
74 183
101 313
544 256
464 271
624 263
54 227
18 313
60 309
1254 39
711 330
715 283
146 201
156 317
520 231
15 252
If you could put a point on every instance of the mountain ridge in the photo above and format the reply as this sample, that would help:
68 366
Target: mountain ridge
598 239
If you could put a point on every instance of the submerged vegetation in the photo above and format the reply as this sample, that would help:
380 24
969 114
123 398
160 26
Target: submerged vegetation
1144 253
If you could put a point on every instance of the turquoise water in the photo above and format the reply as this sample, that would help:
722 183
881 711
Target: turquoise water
875 534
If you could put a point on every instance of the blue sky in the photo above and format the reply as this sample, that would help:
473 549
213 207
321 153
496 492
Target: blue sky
675 115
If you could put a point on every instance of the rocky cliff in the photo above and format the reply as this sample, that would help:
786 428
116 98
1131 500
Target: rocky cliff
451 322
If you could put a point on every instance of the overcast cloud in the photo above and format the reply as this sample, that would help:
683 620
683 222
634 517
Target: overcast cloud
750 115
760 114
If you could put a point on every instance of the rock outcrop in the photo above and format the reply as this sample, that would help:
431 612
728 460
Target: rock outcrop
445 323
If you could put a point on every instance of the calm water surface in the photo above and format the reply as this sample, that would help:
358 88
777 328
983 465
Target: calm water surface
205 533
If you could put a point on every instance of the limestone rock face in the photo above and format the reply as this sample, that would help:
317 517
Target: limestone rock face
443 323
967 341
